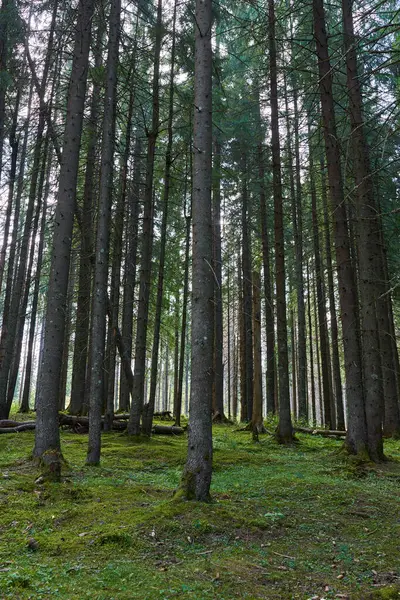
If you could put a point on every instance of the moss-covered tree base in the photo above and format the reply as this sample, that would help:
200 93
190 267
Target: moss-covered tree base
188 488
285 439
50 464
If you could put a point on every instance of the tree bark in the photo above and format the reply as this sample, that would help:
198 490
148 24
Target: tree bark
130 273
247 300
147 246
100 276
178 402
285 428
196 478
369 246
357 439
327 391
300 383
147 420
310 332
79 399
35 297
337 377
269 307
4 24
257 416
218 385
19 333
47 437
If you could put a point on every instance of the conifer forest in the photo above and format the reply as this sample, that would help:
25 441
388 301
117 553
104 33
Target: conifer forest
199 299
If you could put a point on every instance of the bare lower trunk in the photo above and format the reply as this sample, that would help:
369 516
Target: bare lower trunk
138 396
247 301
269 307
357 440
147 421
130 274
296 197
100 276
285 428
337 377
257 417
327 392
178 403
79 398
67 334
47 437
196 478
218 387
369 247
35 300
310 333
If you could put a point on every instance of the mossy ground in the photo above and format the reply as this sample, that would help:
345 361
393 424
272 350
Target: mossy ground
285 522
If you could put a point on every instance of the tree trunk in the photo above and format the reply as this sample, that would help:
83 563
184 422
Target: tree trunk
19 333
130 273
242 347
369 246
196 478
4 23
116 282
100 276
15 274
327 392
67 333
285 428
229 341
301 311
257 416
14 145
138 396
389 355
35 296
218 385
47 437
357 440
337 377
247 300
310 331
147 421
235 378
178 403
299 371
269 307
79 398
292 327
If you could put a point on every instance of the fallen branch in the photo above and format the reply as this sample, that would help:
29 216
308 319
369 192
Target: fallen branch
167 430
323 432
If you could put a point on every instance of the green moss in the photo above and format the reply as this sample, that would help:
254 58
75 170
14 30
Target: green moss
285 521
389 593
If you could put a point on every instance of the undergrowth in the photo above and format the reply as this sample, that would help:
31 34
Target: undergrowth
285 522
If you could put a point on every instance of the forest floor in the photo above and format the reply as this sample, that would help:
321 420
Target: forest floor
301 522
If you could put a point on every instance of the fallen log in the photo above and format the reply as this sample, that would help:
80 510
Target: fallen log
165 414
81 425
167 430
11 423
28 426
323 432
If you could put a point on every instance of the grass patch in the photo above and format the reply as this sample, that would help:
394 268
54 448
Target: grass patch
285 522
